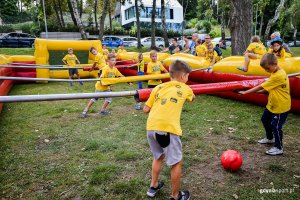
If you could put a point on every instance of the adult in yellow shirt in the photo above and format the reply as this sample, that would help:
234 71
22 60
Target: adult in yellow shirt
163 127
70 60
279 103
99 60
211 54
154 67
254 51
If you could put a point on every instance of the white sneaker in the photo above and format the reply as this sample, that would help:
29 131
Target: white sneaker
274 151
266 141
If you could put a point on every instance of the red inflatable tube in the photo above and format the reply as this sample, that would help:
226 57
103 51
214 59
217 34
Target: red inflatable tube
257 99
209 88
5 87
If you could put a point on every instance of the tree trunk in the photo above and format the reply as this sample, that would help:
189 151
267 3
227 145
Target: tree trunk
240 25
95 14
261 24
56 8
80 8
275 18
77 17
102 19
109 16
163 21
223 27
61 13
153 46
72 12
138 25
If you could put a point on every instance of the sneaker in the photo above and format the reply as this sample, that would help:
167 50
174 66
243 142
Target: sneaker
80 82
266 141
83 115
242 69
185 195
274 151
152 191
104 112
138 106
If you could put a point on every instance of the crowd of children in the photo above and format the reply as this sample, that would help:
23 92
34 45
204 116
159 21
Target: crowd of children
166 100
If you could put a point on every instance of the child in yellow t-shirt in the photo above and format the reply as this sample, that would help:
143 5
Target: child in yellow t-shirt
121 50
109 71
211 54
105 51
70 60
140 72
277 48
163 127
99 60
201 50
154 67
254 51
279 103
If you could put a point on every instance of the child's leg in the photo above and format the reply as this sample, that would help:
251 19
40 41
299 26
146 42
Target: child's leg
266 120
175 179
78 76
91 102
156 168
105 105
247 59
140 83
277 122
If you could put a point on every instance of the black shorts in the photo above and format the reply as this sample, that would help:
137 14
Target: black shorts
152 86
73 71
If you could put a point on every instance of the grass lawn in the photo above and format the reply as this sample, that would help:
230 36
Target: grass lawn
48 152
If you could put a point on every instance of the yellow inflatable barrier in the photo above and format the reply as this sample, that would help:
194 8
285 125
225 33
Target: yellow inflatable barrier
160 56
230 64
193 61
128 56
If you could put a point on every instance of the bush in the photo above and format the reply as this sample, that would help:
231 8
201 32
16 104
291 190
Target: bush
206 25
6 29
213 34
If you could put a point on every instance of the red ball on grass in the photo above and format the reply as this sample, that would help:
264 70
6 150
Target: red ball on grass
231 160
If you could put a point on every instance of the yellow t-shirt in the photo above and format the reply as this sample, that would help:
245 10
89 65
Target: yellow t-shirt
280 54
211 55
70 59
278 86
121 51
107 72
141 66
105 53
257 48
155 68
100 60
166 102
201 49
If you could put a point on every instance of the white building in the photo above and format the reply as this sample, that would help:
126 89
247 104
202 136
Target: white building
174 14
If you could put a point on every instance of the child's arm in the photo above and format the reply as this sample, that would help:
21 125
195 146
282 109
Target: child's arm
252 90
92 68
146 109
64 62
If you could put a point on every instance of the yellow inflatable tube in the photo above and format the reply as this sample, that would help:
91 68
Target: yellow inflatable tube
128 56
160 56
230 64
193 61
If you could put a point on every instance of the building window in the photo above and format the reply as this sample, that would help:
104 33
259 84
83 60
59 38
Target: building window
129 13
147 13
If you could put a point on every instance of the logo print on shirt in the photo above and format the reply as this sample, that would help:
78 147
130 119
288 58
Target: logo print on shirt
163 101
155 68
174 100
110 75
179 93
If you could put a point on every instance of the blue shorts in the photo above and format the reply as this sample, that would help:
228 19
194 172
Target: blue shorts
73 71
108 99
